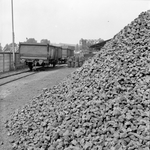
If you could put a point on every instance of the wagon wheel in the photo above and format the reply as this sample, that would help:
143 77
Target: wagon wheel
30 66
54 64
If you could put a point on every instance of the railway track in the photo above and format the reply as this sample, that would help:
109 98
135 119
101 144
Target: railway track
18 75
11 78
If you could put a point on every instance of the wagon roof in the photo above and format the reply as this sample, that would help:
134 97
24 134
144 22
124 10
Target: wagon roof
38 44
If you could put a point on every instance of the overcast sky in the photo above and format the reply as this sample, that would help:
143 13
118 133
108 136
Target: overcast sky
67 21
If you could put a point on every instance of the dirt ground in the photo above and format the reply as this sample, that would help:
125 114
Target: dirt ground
16 94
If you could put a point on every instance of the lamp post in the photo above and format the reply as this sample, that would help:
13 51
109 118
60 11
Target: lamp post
13 36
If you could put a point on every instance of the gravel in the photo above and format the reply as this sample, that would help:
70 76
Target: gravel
105 104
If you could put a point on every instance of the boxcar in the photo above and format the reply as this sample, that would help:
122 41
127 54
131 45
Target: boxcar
38 54
66 52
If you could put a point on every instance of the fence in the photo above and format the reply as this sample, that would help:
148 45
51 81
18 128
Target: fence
6 61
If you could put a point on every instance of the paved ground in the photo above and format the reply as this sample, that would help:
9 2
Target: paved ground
16 94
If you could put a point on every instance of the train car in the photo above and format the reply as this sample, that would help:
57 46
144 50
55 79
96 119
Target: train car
66 52
59 53
38 54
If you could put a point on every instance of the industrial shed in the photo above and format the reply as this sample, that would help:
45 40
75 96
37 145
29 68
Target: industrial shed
98 46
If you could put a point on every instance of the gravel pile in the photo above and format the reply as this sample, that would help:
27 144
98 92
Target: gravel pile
104 105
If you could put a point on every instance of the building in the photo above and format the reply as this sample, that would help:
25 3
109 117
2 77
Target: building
98 46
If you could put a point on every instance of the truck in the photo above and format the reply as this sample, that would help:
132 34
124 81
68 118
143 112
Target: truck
39 54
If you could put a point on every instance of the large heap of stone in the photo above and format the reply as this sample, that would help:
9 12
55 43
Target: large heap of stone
104 105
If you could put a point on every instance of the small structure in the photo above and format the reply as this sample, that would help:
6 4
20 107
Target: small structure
98 46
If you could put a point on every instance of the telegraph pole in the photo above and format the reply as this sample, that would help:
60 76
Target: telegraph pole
13 36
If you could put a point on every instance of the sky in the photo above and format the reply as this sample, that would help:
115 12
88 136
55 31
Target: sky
67 21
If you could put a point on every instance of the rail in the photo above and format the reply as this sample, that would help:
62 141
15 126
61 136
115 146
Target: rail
17 75
22 74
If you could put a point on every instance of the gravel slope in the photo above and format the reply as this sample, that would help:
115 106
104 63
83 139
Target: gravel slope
103 105
16 94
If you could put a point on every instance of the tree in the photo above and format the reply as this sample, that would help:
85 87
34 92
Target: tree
86 43
83 43
31 40
0 48
99 40
45 41
9 47
77 48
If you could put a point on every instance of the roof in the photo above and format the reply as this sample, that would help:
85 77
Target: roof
38 44
64 46
99 45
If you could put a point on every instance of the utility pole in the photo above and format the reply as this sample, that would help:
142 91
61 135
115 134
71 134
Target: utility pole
13 36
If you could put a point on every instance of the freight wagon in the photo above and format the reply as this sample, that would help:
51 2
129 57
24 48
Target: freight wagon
38 54
66 52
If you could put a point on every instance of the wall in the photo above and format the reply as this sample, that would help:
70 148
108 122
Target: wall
6 61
